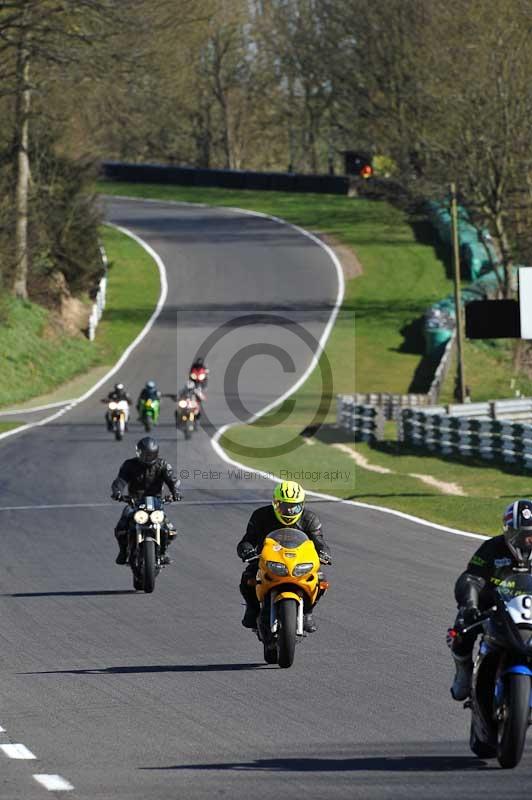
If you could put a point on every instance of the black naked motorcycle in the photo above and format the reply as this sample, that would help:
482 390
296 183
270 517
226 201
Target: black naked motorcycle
501 690
148 530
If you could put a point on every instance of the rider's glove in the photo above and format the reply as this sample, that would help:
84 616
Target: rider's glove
116 495
246 551
325 557
468 615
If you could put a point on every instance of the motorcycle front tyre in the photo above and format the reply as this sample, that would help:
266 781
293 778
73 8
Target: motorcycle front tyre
287 617
270 655
148 566
511 729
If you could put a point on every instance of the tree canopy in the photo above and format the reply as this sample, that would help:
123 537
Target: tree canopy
441 92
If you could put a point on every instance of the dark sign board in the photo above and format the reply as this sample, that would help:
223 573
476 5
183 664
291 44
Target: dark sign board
492 319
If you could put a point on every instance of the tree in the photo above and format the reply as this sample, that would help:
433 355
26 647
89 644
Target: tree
39 41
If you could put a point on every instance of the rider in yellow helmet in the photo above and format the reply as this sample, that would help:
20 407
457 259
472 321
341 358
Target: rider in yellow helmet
286 510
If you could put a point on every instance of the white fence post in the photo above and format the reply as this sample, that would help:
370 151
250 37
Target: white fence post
99 303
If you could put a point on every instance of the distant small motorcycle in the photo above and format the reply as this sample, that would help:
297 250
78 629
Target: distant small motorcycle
199 376
186 415
149 410
117 417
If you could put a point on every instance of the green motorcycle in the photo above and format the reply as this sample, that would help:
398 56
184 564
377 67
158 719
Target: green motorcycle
149 412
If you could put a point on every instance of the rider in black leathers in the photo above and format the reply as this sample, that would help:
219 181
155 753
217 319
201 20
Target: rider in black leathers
139 477
263 521
492 562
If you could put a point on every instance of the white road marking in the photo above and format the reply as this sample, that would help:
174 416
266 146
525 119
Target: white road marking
51 506
16 751
35 408
233 501
2 730
54 783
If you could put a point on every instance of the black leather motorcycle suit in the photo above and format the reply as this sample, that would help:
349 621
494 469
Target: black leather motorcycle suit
117 396
262 522
491 564
139 480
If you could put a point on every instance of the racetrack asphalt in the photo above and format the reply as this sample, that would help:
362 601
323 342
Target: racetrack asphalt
127 695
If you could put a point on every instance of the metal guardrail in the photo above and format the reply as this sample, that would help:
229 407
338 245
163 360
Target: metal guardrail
390 404
472 430
99 302
366 422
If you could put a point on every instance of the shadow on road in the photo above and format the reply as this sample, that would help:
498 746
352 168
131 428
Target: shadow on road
152 668
89 593
365 764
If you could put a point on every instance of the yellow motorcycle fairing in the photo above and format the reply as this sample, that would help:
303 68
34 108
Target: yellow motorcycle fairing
286 595
285 554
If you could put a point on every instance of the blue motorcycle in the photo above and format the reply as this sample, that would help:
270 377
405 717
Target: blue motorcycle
501 690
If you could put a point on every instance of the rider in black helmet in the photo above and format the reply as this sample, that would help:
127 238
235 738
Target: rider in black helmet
495 560
144 475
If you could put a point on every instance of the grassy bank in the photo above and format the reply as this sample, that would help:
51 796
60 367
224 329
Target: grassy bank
37 356
8 426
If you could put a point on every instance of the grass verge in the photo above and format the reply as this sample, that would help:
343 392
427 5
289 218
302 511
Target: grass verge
36 357
8 426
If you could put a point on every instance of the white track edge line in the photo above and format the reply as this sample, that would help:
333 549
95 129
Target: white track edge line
127 352
54 783
35 408
215 439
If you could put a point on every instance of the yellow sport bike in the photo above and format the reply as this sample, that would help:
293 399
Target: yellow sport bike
287 584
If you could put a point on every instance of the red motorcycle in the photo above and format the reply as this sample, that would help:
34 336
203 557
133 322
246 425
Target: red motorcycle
199 376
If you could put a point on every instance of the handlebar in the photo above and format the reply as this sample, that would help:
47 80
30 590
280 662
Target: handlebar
483 616
124 498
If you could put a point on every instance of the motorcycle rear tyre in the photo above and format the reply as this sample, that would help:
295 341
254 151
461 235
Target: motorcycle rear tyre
148 566
287 616
481 749
147 424
512 728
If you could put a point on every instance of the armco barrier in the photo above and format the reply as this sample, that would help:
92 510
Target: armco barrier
389 404
225 178
365 422
474 433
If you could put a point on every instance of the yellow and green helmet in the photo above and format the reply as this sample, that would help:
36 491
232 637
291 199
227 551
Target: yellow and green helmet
288 502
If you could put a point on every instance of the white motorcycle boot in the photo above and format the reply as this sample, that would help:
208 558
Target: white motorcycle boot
461 688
